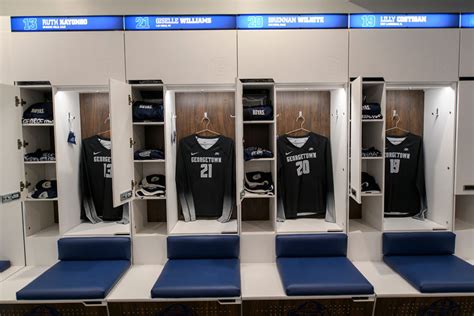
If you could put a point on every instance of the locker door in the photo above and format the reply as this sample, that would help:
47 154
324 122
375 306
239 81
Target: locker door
356 139
465 150
11 153
121 130
239 147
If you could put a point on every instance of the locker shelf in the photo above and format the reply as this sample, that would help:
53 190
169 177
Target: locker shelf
372 120
150 197
371 194
259 160
410 224
149 123
303 225
372 158
260 122
257 227
104 228
40 162
261 281
150 161
152 228
39 125
50 231
249 195
205 226
41 200
358 225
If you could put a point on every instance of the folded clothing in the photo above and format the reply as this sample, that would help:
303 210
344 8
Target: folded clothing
144 111
40 155
258 113
256 153
256 97
368 184
45 189
39 113
259 182
149 154
371 111
152 185
371 152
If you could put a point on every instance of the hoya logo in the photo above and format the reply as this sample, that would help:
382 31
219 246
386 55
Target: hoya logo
366 107
37 111
258 112
146 107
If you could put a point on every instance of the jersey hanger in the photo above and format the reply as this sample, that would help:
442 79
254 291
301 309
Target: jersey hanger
106 132
206 129
301 128
396 118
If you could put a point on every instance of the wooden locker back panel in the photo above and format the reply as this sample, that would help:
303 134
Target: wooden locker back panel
94 113
409 105
315 105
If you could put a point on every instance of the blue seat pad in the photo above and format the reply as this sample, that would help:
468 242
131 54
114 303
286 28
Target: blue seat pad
322 276
198 278
434 274
75 280
4 264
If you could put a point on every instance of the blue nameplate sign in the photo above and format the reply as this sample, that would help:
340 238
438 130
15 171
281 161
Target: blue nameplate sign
415 20
292 21
467 20
179 22
66 23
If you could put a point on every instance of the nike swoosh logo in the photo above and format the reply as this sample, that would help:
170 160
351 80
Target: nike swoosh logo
192 154
96 153
288 153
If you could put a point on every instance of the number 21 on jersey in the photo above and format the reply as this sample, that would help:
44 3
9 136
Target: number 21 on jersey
206 170
302 167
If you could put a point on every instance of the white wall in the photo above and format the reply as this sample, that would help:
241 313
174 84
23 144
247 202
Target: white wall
5 50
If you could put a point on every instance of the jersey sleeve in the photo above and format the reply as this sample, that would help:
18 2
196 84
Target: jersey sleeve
88 209
184 191
229 191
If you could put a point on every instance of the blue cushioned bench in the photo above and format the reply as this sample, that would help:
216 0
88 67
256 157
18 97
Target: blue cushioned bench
317 265
426 261
88 269
4 264
200 266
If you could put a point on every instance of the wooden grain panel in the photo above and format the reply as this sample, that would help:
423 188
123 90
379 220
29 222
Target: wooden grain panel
208 308
256 209
190 108
315 105
307 307
156 210
154 137
94 112
35 309
257 135
409 105
407 306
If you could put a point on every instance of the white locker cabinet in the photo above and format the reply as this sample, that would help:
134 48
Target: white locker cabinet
465 133
184 57
68 58
415 55
466 62
11 174
299 56
426 110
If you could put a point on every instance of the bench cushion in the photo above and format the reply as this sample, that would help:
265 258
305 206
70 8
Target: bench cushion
198 278
4 264
322 276
311 245
94 248
203 247
434 274
418 243
75 280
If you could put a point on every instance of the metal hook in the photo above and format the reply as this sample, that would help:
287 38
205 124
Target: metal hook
107 118
395 117
300 117
206 118
70 117
436 113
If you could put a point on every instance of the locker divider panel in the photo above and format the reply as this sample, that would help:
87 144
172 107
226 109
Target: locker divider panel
466 66
356 139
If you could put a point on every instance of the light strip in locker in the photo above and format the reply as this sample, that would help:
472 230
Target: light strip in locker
411 20
66 23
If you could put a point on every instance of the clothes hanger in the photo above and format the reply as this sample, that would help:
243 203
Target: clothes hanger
106 131
396 118
206 129
301 128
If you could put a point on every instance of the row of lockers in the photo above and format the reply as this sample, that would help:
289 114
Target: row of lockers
219 56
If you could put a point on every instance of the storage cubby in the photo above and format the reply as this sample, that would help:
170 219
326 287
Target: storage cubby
185 108
149 217
41 218
35 172
324 109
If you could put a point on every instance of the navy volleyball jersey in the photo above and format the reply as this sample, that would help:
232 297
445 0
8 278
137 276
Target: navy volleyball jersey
205 177
96 181
405 193
305 178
